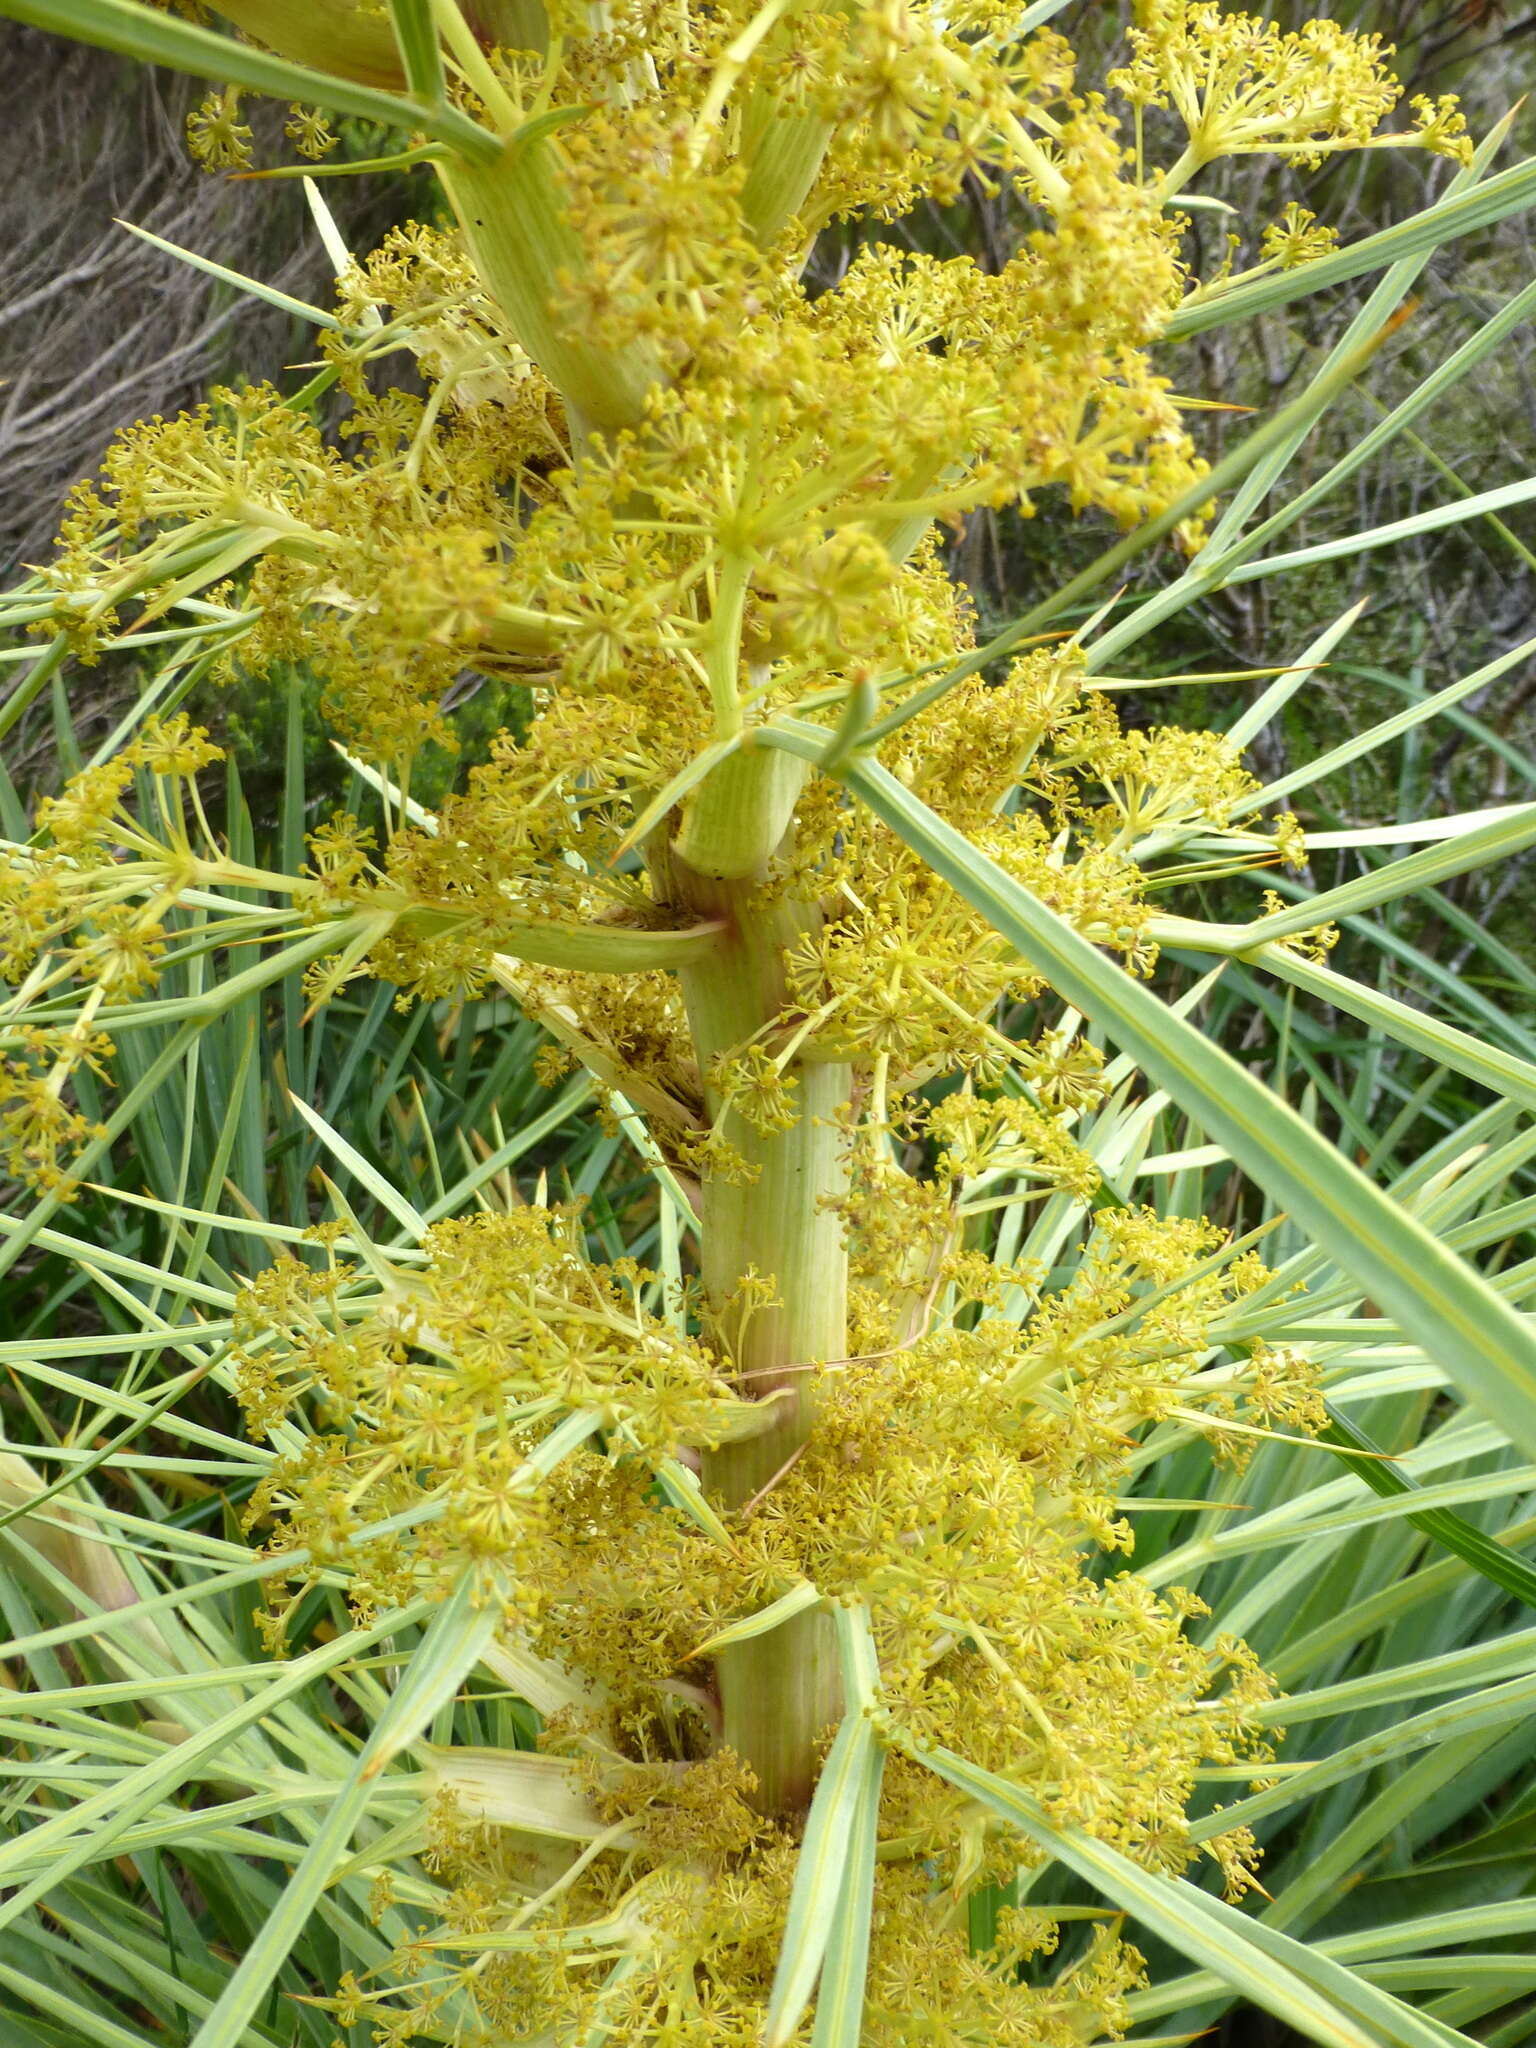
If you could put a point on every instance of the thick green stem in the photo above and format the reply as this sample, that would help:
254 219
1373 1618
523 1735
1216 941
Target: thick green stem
779 1693
339 36
512 215
744 803
784 160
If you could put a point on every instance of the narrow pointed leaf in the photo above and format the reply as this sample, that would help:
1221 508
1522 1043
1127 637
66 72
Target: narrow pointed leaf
1245 728
252 287
852 1766
1499 838
1392 728
1506 1073
87 1832
840 1994
387 1196
774 1615
1481 503
1463 1324
830 1876
452 1647
1510 192
1299 1985
1495 1706
447 1650
1451 1531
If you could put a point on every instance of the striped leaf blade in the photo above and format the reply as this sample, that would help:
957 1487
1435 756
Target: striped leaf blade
1485 1347
1321 1998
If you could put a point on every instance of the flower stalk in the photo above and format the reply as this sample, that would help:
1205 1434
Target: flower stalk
773 1257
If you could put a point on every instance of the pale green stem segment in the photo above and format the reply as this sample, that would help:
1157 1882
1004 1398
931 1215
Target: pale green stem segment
512 218
779 1693
745 802
783 161
783 150
333 35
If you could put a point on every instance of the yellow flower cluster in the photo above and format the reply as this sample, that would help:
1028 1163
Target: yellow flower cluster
83 928
1242 84
948 1487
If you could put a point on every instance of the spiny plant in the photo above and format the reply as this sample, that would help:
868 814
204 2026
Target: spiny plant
799 1548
